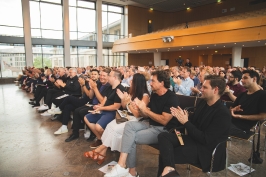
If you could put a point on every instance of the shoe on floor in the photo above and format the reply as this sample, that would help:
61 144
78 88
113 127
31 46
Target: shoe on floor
61 130
117 171
32 102
129 175
46 114
36 105
55 111
72 137
96 144
92 137
32 99
43 107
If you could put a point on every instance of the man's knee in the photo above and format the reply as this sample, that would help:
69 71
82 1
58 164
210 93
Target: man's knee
130 125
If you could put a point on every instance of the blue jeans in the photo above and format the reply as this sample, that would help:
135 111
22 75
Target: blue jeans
102 119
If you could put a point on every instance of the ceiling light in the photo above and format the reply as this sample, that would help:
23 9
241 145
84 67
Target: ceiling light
197 46
182 47
243 45
216 51
258 41
219 1
235 43
151 9
150 21
207 47
192 48
224 46
214 44
168 48
188 8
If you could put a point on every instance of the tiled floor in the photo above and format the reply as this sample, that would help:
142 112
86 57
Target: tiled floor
28 147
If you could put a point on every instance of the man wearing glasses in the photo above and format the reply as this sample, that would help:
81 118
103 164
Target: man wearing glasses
233 88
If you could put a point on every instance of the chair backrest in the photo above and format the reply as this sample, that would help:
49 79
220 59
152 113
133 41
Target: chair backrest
186 101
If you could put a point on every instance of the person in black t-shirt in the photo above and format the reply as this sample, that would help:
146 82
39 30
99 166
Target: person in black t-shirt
249 107
188 63
146 132
105 112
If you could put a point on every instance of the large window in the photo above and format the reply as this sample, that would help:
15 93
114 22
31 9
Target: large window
82 56
112 22
11 23
46 19
46 55
12 59
82 17
113 59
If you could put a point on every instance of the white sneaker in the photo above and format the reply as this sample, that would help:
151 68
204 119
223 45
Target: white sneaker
43 107
129 175
61 131
117 171
46 114
54 111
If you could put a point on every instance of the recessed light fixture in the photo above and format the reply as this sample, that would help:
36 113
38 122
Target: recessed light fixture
188 8
168 48
214 44
243 45
192 48
207 47
180 49
197 46
219 1
235 43
258 41
224 46
151 9
216 51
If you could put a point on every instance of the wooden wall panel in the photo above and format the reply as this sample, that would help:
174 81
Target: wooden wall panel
221 60
256 55
140 59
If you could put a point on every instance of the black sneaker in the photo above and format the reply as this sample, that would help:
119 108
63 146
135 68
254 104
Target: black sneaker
32 102
72 137
32 99
96 144
92 137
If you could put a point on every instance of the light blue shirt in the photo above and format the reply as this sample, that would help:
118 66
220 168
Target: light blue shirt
185 87
127 81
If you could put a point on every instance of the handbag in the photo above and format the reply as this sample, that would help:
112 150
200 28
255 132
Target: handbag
256 159
121 116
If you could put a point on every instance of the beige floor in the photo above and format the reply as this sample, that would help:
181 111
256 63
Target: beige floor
28 146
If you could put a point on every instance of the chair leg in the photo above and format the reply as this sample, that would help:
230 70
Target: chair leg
188 167
251 154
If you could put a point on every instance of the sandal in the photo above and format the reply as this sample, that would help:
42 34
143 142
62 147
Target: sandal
90 154
100 159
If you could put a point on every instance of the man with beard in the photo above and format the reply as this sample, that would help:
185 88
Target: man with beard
146 132
233 88
249 107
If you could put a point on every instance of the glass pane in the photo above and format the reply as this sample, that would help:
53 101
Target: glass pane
87 36
11 13
74 60
54 50
72 2
90 5
35 20
104 7
115 9
36 33
73 50
86 20
73 35
86 51
52 34
104 22
51 20
53 1
72 19
57 60
12 59
114 23
11 31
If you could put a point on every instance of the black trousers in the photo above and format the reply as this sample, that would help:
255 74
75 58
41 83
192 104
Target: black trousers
69 104
38 91
41 95
78 118
52 93
171 152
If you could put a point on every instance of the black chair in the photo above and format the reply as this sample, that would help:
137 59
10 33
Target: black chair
213 158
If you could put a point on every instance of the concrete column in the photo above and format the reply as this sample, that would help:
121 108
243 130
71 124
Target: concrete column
66 32
27 31
157 58
236 56
99 33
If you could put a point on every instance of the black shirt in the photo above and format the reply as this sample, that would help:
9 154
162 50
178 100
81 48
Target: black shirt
251 104
188 64
159 104
112 97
